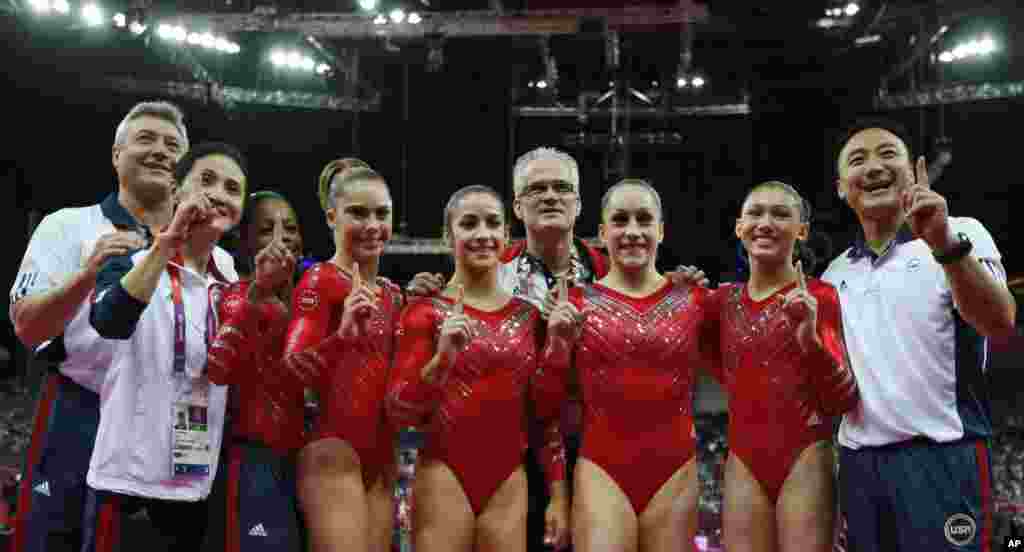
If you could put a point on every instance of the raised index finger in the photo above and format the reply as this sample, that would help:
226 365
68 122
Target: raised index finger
922 173
279 232
460 298
800 275
357 278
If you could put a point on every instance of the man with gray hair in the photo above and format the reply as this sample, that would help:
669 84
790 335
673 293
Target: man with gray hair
49 308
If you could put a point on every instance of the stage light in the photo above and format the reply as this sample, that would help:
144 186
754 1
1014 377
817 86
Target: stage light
681 82
368 5
233 48
542 84
179 33
323 69
61 6
414 18
120 20
698 82
193 39
207 40
970 49
852 9
295 60
397 15
826 22
869 39
40 6
92 14
380 19
531 84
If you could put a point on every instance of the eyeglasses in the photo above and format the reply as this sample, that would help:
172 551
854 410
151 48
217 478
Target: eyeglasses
537 189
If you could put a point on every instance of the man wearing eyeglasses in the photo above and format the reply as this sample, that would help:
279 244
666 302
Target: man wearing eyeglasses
546 186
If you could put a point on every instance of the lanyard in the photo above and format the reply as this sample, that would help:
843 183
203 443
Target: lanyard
174 273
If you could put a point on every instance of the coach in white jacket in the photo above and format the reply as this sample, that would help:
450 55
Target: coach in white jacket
161 421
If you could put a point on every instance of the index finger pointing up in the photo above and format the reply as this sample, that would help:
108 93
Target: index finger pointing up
801 278
357 278
279 232
460 299
921 175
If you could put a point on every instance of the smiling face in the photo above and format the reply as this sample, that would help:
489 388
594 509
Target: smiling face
270 215
632 228
874 172
769 225
145 157
477 231
362 219
222 180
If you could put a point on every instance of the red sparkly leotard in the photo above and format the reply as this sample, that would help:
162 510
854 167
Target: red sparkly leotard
780 399
635 362
475 415
246 353
352 372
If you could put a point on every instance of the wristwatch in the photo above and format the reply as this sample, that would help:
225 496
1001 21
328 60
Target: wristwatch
955 253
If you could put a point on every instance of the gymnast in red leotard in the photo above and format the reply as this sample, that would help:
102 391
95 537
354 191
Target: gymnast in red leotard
462 370
340 343
630 341
783 362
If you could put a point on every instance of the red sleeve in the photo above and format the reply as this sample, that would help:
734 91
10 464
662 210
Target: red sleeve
307 347
710 333
830 371
547 435
234 345
410 399
551 384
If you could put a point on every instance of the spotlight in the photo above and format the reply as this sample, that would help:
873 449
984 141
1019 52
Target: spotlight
380 20
698 82
136 28
323 69
278 57
868 39
826 22
542 84
368 5
192 38
852 9
120 20
165 31
92 15
397 15
681 82
531 84
207 40
233 48
222 44
61 6
41 6
974 48
180 34
414 18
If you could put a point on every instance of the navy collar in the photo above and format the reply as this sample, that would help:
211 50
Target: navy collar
121 218
860 249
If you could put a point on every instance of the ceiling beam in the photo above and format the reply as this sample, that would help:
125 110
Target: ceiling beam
950 94
231 96
463 23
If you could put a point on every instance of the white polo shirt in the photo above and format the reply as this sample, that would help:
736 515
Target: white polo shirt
60 247
919 366
133 451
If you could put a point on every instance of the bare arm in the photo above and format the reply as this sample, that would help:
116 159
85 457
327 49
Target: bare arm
983 300
44 315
